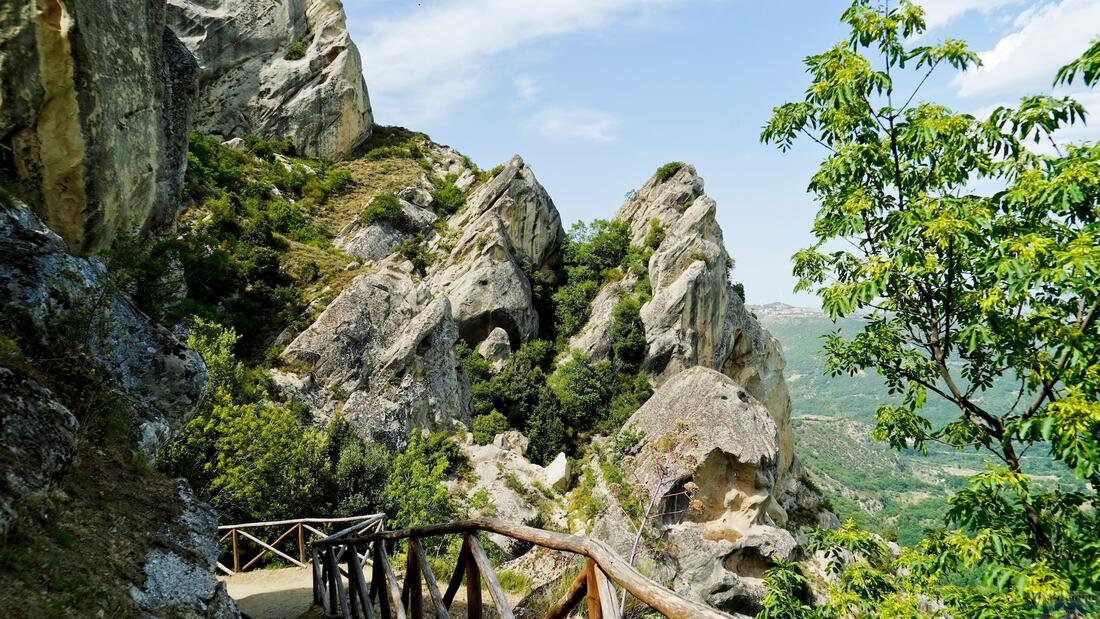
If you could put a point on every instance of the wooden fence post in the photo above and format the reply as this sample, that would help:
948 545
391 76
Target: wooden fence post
301 544
236 554
473 584
412 579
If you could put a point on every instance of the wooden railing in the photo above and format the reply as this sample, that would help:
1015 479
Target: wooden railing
296 535
359 597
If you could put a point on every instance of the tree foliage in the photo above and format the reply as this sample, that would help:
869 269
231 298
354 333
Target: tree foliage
960 287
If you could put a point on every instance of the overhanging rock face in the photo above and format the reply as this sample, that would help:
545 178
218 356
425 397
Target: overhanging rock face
277 69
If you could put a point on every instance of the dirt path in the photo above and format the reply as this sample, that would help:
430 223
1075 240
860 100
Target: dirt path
288 594
273 594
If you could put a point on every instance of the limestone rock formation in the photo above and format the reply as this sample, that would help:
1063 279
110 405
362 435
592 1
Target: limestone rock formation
723 533
97 143
63 307
509 483
496 349
375 241
61 301
695 316
510 224
387 348
179 575
277 69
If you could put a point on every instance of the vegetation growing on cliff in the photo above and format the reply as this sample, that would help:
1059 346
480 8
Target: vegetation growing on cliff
961 289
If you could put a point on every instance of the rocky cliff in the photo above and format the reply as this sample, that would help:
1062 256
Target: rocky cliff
696 317
96 144
276 69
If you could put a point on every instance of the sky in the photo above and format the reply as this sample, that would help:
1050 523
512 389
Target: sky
596 94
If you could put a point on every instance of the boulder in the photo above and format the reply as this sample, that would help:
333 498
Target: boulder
496 349
726 443
712 450
65 303
556 474
179 574
97 144
277 69
368 242
513 441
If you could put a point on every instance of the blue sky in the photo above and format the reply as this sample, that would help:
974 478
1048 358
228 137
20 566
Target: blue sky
596 94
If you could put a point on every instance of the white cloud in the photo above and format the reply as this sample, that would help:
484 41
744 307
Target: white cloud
572 122
432 56
939 13
1044 38
527 88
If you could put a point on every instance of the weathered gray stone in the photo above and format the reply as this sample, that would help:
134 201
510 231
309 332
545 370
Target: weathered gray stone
556 474
496 349
390 349
726 443
179 576
368 242
97 143
594 339
37 441
251 83
63 302
530 222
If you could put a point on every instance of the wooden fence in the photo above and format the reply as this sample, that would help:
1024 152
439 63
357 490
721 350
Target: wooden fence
295 535
383 596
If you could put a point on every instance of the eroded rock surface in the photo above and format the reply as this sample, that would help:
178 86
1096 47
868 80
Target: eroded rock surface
37 441
278 69
179 575
509 225
695 316
386 349
61 301
723 518
94 98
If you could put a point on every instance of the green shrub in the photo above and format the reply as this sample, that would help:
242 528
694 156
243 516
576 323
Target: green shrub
297 51
514 582
486 427
668 170
573 305
385 208
584 391
448 198
415 250
416 490
266 149
628 341
655 235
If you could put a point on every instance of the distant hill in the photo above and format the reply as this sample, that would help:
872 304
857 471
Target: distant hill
833 417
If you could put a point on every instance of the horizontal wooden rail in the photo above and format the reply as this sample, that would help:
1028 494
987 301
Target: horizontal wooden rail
604 570
296 534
